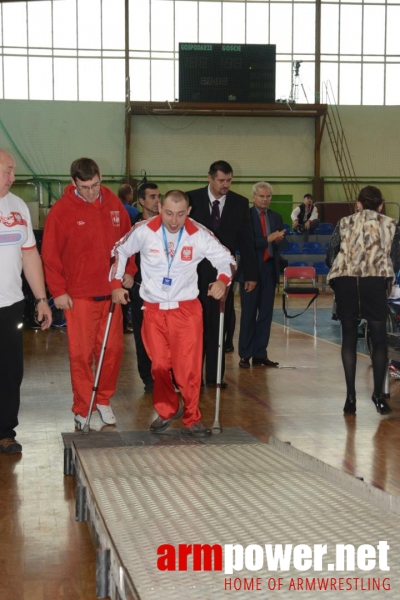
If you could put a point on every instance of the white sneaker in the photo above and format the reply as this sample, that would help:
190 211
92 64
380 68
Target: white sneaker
79 421
106 414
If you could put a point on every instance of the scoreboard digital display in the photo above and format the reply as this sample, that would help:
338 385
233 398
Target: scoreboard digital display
227 72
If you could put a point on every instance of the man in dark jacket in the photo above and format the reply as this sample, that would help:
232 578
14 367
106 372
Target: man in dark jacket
258 305
149 199
227 215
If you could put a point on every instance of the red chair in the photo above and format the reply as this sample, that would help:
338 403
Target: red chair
304 287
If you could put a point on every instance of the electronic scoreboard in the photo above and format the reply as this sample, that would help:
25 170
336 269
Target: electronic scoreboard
227 72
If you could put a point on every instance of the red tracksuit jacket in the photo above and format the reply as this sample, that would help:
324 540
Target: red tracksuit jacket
77 243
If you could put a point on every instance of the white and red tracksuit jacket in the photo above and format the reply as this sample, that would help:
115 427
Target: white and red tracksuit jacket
196 243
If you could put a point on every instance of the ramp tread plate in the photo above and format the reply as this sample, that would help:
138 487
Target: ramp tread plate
243 494
173 437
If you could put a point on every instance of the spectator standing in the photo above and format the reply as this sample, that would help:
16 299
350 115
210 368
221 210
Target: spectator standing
258 305
226 214
359 257
149 198
18 253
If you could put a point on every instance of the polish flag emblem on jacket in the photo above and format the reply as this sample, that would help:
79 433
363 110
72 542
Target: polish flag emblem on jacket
115 217
187 253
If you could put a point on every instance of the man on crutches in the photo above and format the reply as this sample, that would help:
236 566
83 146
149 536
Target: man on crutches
171 245
80 232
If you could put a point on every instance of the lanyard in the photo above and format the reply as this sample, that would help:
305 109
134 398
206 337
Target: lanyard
170 260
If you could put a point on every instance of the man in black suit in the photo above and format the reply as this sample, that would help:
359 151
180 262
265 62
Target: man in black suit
227 215
149 198
258 305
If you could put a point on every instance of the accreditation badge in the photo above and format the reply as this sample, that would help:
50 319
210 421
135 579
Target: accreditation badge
166 284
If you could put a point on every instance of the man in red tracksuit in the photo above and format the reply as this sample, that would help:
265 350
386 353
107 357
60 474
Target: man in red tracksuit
80 232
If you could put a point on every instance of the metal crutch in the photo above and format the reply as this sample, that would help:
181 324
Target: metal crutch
216 428
86 427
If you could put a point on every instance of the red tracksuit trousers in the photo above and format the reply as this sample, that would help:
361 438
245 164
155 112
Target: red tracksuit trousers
174 340
86 323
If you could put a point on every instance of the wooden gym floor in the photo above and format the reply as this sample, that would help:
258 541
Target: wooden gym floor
46 555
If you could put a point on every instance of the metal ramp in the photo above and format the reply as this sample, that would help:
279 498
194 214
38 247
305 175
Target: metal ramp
137 497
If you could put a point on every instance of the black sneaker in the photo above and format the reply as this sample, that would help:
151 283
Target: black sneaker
197 430
159 424
10 446
244 363
213 383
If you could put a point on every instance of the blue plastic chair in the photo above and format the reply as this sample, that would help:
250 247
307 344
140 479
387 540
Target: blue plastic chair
312 248
287 228
321 270
324 229
298 263
292 248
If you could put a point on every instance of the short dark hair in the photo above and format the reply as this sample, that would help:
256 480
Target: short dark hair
124 191
220 165
141 193
308 196
84 169
176 196
370 197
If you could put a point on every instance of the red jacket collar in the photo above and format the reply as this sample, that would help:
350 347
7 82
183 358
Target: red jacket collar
155 223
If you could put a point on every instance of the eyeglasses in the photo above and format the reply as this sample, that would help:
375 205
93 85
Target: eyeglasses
88 188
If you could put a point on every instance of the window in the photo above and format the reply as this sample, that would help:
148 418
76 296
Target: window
74 49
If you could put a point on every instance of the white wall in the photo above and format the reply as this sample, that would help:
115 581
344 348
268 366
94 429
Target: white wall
178 150
50 135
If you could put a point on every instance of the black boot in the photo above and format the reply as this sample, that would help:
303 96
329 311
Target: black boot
350 405
381 404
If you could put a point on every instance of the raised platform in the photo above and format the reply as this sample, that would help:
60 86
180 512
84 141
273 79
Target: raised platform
149 499
233 109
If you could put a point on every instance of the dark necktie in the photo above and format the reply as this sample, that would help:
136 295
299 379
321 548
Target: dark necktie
215 215
264 232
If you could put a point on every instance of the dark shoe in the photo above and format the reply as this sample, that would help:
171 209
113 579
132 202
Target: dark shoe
350 405
128 330
197 430
230 348
10 446
244 363
381 404
214 384
264 362
149 387
159 424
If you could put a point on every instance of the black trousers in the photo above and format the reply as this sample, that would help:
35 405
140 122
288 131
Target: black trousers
11 367
211 316
257 311
143 361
